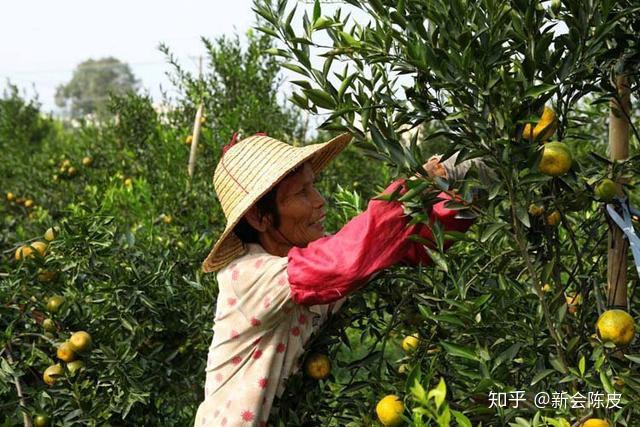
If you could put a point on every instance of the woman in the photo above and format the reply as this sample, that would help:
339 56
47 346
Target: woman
280 276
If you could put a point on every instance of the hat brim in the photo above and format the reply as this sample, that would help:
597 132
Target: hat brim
228 246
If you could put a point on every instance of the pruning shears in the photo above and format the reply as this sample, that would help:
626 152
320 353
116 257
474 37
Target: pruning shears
626 225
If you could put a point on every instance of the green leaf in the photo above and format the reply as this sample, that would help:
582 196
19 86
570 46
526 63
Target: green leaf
316 10
319 97
438 393
536 91
296 68
460 351
461 419
581 365
542 375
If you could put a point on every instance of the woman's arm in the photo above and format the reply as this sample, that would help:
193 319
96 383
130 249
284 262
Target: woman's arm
333 266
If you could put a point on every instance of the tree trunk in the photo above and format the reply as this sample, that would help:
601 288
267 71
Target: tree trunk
619 149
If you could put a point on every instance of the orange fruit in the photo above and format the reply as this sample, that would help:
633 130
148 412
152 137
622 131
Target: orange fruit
596 422
410 343
75 366
10 197
535 210
616 326
554 218
606 190
556 159
80 341
87 161
65 352
49 325
41 421
51 373
54 303
389 410
318 366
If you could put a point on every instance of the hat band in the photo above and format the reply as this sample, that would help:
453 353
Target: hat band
231 175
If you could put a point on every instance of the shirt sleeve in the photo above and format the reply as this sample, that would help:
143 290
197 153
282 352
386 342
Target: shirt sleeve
329 268
264 295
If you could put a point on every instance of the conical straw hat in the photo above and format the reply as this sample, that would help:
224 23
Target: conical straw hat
247 171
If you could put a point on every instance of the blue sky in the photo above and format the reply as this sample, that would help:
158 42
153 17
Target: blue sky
41 42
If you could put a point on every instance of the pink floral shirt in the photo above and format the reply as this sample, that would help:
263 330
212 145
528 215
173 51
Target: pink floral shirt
269 306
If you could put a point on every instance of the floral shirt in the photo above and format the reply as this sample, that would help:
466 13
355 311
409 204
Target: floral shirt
269 306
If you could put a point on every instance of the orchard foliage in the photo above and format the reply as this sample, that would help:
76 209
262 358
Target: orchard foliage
128 244
405 75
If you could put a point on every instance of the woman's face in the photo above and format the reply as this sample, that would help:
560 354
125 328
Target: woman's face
301 207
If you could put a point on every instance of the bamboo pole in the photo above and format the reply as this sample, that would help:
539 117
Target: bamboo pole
196 133
194 142
619 149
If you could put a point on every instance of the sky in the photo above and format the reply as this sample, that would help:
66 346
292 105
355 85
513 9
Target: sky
39 51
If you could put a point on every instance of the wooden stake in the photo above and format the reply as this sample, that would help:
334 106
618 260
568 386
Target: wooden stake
619 149
194 142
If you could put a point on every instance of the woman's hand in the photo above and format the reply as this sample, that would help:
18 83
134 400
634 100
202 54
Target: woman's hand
434 168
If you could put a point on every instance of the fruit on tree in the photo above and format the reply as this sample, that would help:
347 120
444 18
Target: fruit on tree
606 190
65 352
72 171
87 161
50 234
573 301
535 210
80 341
410 343
27 251
544 129
51 373
556 159
41 420
54 303
596 422
616 326
28 203
49 325
46 276
75 366
318 366
553 218
189 139
128 182
10 197
389 410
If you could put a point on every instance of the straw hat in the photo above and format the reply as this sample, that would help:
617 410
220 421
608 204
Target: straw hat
247 171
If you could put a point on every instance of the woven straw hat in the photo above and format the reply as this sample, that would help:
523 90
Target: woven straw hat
247 171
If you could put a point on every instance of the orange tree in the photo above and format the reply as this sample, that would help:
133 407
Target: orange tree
513 306
122 259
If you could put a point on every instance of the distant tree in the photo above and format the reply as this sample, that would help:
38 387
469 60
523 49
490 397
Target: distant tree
93 80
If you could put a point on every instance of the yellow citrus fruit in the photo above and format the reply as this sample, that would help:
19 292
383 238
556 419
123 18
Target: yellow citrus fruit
50 234
50 374
556 159
54 303
41 421
10 196
389 410
410 343
189 139
318 366
65 352
75 366
547 288
128 182
202 120
23 252
596 422
573 299
49 325
167 219
616 326
403 368
46 276
72 171
41 247
554 218
28 203
535 210
606 190
66 164
80 341
87 161
544 129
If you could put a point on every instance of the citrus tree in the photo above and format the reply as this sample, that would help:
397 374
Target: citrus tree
509 312
105 314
